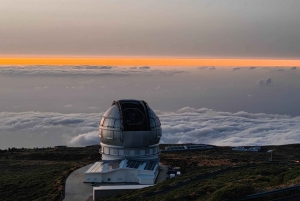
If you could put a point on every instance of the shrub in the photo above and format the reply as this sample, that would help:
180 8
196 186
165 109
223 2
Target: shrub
233 191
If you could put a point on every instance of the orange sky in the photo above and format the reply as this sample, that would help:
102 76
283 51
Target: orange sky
142 61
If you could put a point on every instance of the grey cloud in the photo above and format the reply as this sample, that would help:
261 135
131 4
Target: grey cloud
37 129
144 67
77 87
82 70
206 67
87 81
252 68
236 68
187 125
293 68
224 128
265 82
45 87
201 67
90 138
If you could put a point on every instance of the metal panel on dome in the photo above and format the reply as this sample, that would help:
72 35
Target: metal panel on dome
107 113
152 123
137 139
117 123
115 113
157 122
151 113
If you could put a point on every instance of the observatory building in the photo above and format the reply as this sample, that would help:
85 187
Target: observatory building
129 132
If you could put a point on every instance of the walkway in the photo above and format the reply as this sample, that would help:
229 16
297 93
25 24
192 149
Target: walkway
162 175
75 189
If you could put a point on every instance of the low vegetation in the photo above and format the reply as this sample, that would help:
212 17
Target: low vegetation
39 174
222 174
217 174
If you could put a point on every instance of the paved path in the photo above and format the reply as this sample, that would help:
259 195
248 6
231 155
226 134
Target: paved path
75 189
162 175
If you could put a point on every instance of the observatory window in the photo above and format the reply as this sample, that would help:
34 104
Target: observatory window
133 116
106 150
121 152
155 149
151 151
104 133
137 152
132 153
114 151
142 152
126 152
147 151
106 121
110 134
111 122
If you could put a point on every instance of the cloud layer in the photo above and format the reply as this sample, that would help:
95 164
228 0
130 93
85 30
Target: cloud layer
82 70
187 125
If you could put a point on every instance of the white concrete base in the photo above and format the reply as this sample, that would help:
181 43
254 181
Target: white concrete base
125 171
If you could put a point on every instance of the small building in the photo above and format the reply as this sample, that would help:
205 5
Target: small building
199 147
239 149
187 147
254 149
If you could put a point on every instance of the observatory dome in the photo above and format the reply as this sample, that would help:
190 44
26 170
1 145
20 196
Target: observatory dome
129 129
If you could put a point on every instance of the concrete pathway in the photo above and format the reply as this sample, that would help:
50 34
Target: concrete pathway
75 189
162 176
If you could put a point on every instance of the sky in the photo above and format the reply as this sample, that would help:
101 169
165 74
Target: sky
217 72
151 28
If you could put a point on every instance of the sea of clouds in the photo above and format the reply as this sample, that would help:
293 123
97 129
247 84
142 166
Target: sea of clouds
186 125
40 70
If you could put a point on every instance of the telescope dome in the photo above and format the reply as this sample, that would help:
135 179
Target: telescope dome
129 128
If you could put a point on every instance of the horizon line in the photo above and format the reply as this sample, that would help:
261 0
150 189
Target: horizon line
147 61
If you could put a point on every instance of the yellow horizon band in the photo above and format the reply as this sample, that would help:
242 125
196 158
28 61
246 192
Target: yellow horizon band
138 61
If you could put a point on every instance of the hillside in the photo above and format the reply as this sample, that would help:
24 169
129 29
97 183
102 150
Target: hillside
220 173
39 174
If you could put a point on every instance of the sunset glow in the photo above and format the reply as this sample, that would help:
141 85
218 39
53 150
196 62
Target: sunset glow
140 61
